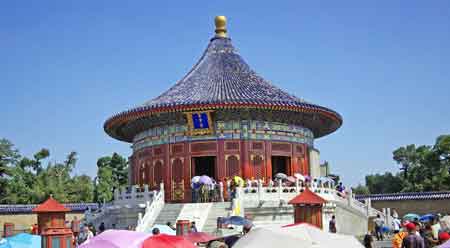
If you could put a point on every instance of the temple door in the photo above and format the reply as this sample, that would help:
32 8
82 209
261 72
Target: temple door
177 180
157 172
258 167
232 166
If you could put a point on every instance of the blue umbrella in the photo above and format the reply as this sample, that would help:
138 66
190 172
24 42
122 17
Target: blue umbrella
164 229
411 217
24 240
237 220
4 243
427 218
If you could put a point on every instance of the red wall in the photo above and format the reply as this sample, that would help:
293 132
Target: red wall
153 164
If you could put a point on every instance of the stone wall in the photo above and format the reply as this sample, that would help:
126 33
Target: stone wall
350 221
414 206
23 222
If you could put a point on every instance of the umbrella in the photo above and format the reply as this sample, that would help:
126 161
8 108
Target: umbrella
4 243
205 180
199 237
195 179
291 179
270 237
167 241
320 238
445 245
411 217
299 176
238 180
164 229
24 240
281 176
426 218
237 220
116 239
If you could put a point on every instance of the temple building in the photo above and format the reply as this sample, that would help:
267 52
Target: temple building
221 119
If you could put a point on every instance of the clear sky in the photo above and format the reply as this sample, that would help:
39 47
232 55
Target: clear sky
66 66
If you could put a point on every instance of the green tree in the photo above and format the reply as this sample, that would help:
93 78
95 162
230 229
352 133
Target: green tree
384 183
105 184
9 157
81 189
361 190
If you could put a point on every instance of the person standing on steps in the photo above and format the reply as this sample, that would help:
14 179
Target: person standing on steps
379 222
332 224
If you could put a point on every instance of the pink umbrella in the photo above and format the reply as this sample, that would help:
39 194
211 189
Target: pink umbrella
116 239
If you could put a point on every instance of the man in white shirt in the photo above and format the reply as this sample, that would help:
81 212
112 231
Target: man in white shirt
396 223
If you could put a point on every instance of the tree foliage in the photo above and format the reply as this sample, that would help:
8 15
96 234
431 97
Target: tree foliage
26 180
112 172
422 168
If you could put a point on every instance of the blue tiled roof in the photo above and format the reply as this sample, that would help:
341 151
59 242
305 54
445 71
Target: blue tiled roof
27 208
222 76
440 195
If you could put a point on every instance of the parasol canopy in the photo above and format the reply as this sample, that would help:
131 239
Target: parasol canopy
299 176
116 239
167 241
426 217
199 237
237 220
238 180
195 179
204 179
4 243
291 179
165 229
411 217
266 237
23 240
281 176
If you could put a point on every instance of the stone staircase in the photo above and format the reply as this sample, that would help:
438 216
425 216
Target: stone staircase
270 214
218 209
169 213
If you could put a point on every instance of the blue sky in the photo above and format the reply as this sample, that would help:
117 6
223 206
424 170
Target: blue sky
66 66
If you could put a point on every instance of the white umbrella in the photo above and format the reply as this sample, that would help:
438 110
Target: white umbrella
320 238
266 237
299 176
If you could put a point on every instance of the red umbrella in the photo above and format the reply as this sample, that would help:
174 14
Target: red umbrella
199 237
167 241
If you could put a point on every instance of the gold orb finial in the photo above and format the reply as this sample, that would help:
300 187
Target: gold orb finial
221 26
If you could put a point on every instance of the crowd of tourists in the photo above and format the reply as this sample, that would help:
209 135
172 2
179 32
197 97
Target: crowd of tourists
410 232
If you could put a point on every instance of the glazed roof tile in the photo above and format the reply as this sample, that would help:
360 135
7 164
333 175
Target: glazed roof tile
28 208
221 78
307 197
440 195
50 205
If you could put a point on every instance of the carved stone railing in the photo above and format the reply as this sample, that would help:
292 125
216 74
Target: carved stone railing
258 193
152 211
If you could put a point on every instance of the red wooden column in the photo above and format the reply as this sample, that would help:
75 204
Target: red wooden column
167 172
268 155
308 208
245 159
220 161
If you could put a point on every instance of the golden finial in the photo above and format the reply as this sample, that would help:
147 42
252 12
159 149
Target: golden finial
221 26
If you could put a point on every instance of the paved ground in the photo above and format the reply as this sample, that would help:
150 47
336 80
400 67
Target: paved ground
382 244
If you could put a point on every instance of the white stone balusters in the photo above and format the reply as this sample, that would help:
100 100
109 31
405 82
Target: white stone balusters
260 190
221 191
280 190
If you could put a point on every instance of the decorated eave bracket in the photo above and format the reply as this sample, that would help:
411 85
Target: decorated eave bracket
200 123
